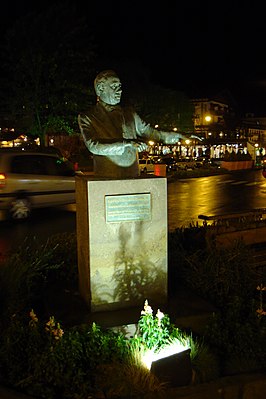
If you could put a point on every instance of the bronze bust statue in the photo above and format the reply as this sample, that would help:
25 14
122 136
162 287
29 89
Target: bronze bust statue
115 135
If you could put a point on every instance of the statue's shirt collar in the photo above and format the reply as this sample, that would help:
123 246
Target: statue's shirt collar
108 107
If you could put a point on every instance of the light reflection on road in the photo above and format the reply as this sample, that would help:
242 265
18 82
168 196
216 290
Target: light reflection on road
214 195
187 198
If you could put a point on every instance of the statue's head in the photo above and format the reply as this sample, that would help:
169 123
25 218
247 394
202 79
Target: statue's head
107 87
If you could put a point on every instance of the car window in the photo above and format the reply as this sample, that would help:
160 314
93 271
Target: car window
28 164
41 165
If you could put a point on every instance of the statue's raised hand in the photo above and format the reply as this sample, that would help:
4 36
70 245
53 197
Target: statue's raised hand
195 137
171 138
140 146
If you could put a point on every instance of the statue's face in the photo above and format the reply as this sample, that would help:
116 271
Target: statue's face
111 91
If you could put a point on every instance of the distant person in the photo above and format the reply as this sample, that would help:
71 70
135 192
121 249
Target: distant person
115 135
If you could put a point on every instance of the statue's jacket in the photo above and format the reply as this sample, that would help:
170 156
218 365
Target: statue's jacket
105 129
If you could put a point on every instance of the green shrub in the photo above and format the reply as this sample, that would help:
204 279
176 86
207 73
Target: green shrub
237 336
226 278
40 358
215 274
205 362
153 331
27 275
43 360
131 379
157 332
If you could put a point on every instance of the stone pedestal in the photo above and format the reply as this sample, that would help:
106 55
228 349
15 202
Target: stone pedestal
122 241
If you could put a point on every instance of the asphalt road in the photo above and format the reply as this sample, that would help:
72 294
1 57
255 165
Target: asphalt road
214 195
187 198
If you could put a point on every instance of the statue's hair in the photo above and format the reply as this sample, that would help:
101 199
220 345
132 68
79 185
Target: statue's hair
103 76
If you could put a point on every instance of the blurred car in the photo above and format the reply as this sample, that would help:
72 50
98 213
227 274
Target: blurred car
185 164
215 162
35 179
170 163
200 162
146 165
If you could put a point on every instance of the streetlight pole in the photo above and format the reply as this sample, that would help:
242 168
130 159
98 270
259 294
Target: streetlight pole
255 153
187 144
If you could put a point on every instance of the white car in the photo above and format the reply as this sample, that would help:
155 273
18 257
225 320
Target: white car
31 180
146 166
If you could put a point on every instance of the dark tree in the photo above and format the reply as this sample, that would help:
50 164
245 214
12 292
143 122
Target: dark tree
48 62
155 104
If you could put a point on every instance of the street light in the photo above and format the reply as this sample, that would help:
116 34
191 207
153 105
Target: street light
207 119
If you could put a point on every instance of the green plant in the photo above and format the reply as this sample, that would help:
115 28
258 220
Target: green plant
41 359
130 379
157 336
224 277
214 274
153 332
67 272
205 362
34 270
24 277
235 335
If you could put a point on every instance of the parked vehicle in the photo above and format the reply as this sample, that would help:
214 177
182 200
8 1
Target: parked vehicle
200 162
146 165
185 163
34 179
170 163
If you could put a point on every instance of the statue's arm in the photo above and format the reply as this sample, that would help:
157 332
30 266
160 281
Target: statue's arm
171 138
94 145
145 130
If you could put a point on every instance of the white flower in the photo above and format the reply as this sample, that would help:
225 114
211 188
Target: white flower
159 315
147 309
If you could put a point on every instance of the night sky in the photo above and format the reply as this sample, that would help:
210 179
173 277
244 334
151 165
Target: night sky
195 46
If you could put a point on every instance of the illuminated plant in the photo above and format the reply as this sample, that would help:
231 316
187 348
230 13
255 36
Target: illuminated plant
158 337
153 331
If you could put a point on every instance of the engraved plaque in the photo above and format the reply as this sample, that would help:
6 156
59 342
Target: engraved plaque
128 208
